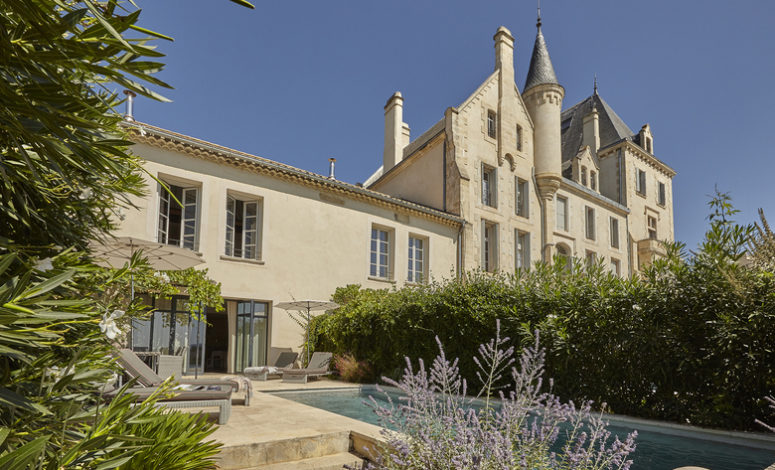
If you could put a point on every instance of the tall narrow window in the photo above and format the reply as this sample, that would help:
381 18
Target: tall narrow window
380 254
584 175
590 222
242 236
489 186
491 117
522 245
616 266
417 248
640 182
661 195
593 180
519 138
614 232
652 227
489 246
562 213
522 198
178 224
591 259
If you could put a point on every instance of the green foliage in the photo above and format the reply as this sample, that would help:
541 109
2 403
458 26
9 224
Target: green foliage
690 341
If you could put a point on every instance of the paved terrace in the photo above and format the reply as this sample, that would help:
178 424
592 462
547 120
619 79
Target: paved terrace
274 433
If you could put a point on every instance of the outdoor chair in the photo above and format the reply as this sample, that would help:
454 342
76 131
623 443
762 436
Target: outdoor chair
317 367
136 368
190 396
282 364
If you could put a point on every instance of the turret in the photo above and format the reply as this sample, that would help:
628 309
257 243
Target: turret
543 97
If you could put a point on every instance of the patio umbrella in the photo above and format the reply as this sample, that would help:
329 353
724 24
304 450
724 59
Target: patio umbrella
307 306
115 252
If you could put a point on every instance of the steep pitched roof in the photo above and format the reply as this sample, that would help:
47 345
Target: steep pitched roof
612 128
541 70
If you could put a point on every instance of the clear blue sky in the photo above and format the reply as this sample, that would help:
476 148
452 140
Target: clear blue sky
300 81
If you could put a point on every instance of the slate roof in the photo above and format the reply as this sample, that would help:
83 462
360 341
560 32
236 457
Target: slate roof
541 70
612 128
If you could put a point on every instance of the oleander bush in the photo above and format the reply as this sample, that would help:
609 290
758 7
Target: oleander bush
691 341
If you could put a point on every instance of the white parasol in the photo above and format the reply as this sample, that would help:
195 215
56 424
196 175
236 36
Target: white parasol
307 306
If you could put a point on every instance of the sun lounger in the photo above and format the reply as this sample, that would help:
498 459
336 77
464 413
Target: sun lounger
283 363
318 366
136 368
188 396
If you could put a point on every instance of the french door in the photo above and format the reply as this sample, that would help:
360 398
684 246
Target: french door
252 329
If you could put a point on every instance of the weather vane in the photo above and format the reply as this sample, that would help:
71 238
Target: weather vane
538 24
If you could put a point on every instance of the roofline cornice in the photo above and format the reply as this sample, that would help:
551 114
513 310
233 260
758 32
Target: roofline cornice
644 155
163 138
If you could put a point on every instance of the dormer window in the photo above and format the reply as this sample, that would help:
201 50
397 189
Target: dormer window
649 149
491 116
593 180
584 175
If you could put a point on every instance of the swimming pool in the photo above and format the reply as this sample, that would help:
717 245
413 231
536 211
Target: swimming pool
657 449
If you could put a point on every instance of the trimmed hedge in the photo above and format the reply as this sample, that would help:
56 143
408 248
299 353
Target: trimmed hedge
691 342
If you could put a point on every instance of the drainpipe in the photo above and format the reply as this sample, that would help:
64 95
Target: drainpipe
460 249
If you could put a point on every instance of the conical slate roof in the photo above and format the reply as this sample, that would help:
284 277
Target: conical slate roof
541 70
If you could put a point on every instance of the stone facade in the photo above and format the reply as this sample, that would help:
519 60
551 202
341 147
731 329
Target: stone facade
504 160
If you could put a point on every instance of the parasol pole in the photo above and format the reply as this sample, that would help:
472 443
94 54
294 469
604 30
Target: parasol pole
198 346
308 309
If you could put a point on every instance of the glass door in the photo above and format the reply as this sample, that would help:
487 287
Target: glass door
252 324
196 344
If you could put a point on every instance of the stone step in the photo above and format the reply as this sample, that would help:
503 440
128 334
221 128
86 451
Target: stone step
327 462
283 450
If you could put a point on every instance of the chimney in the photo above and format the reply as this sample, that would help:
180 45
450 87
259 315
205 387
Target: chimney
504 54
396 132
331 162
592 130
130 100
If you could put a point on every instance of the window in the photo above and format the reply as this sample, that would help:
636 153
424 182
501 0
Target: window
590 222
522 197
522 249
417 247
649 148
616 266
491 123
489 246
379 265
562 213
661 194
563 256
591 259
614 232
242 228
593 180
640 182
178 224
584 175
519 138
652 227
489 186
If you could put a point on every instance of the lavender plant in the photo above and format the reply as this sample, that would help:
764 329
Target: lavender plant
438 425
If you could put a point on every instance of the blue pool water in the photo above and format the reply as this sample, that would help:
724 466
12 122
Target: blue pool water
655 451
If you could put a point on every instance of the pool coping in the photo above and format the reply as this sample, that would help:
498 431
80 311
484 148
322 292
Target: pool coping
754 440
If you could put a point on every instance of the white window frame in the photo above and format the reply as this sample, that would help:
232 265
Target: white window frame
381 253
417 259
489 186
248 250
489 246
521 249
589 222
562 201
651 228
522 197
614 232
189 214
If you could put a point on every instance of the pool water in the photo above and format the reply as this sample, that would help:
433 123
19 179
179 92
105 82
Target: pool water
655 451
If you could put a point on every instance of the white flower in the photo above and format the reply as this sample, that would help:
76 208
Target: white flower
163 276
44 265
108 323
636 307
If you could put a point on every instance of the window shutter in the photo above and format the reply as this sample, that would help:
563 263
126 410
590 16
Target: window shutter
494 247
484 238
164 215
249 231
526 251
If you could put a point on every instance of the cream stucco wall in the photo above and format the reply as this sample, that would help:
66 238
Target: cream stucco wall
312 241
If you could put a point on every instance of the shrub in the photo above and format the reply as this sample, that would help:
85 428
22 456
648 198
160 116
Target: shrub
439 426
351 369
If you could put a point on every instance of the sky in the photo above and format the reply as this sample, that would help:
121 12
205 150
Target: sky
301 81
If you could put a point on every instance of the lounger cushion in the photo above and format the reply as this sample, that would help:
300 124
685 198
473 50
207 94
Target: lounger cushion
211 392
